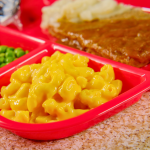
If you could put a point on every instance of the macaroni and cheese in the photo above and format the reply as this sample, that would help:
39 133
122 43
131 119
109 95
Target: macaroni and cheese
60 87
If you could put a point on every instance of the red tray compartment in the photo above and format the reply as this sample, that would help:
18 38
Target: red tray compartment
135 82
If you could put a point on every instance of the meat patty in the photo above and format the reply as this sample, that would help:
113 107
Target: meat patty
124 38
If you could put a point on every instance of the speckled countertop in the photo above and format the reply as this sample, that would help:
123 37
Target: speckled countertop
129 129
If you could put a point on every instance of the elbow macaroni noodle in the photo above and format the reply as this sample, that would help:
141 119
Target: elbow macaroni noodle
60 87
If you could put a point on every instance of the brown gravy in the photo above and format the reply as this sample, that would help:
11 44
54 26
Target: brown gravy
126 41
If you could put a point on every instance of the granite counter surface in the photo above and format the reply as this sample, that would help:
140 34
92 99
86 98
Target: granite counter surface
129 129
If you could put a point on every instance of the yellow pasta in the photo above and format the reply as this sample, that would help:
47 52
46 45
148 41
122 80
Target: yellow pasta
60 87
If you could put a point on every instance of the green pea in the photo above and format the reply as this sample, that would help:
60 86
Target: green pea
15 58
9 59
19 48
26 52
3 48
2 59
3 64
20 53
10 54
2 54
10 49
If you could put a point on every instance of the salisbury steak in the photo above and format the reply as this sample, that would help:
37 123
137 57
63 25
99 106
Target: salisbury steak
124 40
123 36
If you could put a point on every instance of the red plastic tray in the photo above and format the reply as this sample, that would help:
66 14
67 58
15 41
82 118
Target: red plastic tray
135 82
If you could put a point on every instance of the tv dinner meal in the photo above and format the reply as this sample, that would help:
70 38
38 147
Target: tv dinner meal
56 91
101 27
62 86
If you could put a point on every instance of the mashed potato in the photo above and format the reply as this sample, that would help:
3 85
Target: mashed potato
80 10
